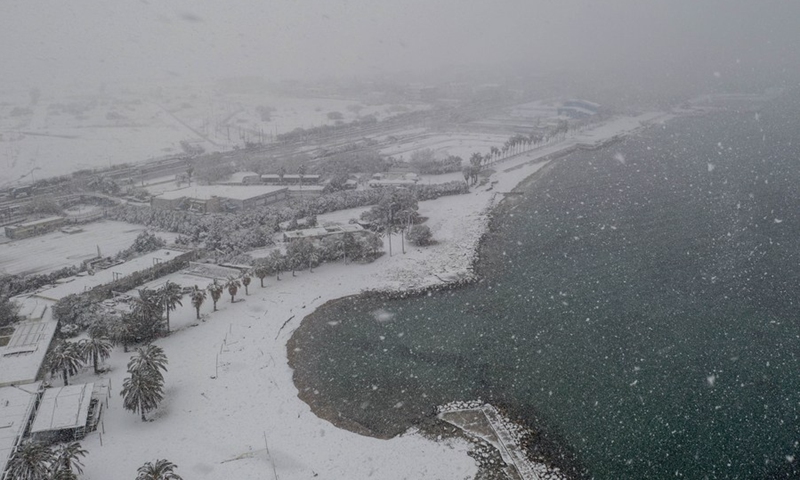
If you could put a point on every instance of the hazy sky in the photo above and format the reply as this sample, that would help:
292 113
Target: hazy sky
45 42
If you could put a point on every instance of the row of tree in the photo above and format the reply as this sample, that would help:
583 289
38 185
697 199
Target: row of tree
515 145
67 357
36 461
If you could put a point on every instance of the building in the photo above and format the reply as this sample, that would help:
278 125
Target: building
69 413
289 179
243 178
577 108
17 406
36 227
219 198
319 232
22 359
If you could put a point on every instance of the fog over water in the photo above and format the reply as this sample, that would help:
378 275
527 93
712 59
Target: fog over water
64 43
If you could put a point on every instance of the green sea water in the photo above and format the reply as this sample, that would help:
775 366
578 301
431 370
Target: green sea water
639 305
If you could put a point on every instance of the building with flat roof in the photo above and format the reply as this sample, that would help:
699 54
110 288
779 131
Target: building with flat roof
35 227
319 232
289 179
68 413
22 359
220 198
17 405
243 178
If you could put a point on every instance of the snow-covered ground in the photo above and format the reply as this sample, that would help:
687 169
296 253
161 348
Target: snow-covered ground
459 144
229 389
60 134
56 250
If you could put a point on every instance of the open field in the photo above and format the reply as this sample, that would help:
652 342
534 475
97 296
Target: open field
55 250
58 135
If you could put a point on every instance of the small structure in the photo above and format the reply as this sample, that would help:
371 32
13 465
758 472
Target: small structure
577 108
36 227
17 405
219 198
22 359
305 190
69 413
243 178
290 179
211 271
319 232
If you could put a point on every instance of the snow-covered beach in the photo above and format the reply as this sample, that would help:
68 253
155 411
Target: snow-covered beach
232 409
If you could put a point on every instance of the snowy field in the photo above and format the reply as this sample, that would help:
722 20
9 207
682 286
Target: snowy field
55 250
58 135
459 144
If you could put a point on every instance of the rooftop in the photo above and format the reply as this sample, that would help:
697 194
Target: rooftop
235 192
63 407
16 407
39 221
21 359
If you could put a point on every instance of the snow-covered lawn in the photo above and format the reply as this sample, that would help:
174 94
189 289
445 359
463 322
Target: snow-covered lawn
55 250
459 144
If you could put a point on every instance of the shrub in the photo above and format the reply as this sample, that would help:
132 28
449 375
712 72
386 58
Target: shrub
420 235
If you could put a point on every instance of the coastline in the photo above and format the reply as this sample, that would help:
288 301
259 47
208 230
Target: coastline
461 249
230 369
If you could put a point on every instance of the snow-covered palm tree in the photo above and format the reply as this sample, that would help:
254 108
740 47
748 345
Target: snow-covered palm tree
95 349
261 271
246 282
169 297
31 461
66 461
142 392
65 359
149 359
158 470
233 285
216 292
198 297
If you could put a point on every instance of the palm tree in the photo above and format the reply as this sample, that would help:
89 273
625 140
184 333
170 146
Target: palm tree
144 389
232 285
141 392
67 461
246 282
146 311
301 172
148 359
216 292
198 297
122 331
65 359
158 470
169 296
95 349
261 271
495 152
31 461
278 262
313 258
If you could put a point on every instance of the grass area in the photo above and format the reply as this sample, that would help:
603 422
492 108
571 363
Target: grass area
4 341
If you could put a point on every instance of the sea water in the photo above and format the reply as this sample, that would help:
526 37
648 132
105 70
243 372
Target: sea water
638 309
